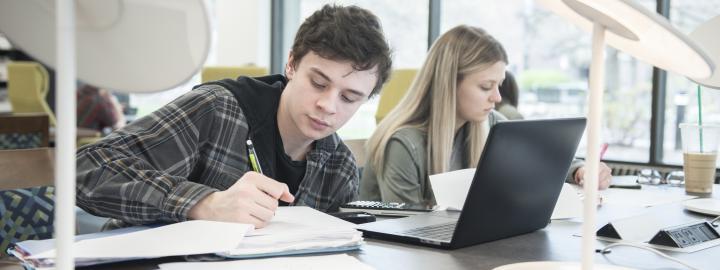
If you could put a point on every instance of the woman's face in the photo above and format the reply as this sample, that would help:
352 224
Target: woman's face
478 92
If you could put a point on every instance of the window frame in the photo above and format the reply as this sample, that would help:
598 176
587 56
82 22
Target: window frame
280 10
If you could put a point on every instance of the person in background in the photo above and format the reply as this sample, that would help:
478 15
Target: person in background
509 92
442 122
98 109
190 159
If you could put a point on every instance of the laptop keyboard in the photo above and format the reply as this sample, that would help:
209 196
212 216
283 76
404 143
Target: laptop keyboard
441 232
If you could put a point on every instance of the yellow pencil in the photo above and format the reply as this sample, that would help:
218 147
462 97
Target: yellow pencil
254 161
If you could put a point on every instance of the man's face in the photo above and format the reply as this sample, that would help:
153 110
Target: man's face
323 94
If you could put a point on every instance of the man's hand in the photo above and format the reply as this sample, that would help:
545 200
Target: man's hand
253 199
603 178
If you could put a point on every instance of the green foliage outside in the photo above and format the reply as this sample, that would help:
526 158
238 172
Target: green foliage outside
534 78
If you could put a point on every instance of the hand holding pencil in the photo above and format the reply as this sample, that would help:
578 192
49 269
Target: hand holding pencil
252 199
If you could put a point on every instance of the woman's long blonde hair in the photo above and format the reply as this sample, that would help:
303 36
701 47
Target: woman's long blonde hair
430 102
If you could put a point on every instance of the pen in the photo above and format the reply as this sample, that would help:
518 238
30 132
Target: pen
603 148
254 161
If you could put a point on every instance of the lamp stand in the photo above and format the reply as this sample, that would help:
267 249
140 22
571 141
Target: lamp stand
65 139
592 165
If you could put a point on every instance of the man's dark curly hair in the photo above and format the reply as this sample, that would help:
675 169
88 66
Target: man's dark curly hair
345 34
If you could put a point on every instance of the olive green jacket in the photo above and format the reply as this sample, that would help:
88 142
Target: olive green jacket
406 174
509 111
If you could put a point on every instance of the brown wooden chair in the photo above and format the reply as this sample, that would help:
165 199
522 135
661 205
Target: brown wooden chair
25 168
26 176
24 130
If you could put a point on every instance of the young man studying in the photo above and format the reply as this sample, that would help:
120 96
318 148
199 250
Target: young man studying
189 159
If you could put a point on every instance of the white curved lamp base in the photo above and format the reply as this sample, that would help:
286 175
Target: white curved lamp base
708 206
550 265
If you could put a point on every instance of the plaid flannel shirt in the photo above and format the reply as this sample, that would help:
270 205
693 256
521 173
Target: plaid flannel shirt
158 167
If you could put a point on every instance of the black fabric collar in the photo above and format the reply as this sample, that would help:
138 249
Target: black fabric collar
259 99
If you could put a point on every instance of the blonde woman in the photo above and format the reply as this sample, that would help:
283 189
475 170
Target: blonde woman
442 122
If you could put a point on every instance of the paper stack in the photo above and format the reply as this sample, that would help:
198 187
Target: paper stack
184 238
327 262
293 230
298 230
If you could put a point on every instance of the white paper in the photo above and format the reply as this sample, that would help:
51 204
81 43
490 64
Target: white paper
569 205
329 262
39 246
624 179
297 228
184 238
641 228
451 188
265 244
301 219
645 197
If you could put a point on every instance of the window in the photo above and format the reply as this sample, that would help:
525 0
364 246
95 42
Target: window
682 99
405 23
550 57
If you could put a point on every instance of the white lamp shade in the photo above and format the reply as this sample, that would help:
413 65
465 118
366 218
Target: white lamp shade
708 37
643 34
122 45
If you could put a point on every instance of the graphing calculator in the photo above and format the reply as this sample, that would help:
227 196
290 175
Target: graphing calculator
386 208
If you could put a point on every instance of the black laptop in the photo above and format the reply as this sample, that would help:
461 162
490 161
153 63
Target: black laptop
515 188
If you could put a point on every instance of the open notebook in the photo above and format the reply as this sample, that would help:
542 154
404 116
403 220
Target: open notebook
298 230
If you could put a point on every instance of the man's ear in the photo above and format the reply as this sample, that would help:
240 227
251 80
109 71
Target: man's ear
290 67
